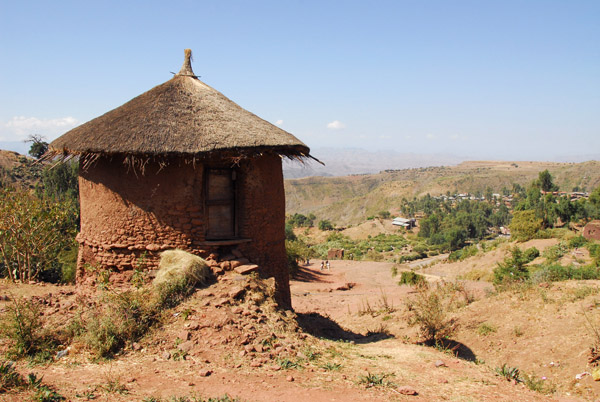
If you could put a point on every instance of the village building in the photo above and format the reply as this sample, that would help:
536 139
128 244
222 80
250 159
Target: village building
181 167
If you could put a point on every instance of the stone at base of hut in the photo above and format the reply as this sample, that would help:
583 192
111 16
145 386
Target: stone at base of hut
246 269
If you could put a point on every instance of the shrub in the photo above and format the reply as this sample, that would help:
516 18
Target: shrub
512 269
531 254
33 232
325 225
430 312
556 272
463 253
24 327
411 278
577 241
556 252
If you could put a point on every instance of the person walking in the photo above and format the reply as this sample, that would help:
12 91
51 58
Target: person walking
328 265
322 265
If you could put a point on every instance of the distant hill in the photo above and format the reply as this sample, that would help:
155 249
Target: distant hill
350 199
345 161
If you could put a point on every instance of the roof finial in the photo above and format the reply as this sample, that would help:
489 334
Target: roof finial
186 69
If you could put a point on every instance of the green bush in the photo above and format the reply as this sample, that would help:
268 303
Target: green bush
556 252
531 254
577 241
411 278
556 272
463 253
33 232
325 225
512 269
23 325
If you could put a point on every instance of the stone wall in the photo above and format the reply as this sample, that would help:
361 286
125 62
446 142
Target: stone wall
128 218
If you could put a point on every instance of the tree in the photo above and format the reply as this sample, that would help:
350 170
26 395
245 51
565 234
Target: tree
525 225
38 146
545 181
325 225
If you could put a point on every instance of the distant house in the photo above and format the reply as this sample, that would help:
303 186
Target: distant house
405 222
181 167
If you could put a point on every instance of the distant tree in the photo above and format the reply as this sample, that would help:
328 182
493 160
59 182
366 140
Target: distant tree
325 225
384 214
38 145
525 225
545 181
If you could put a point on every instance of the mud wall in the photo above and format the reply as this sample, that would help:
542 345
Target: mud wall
262 219
591 231
128 218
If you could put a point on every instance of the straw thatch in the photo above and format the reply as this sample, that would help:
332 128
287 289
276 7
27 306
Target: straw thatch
183 116
178 265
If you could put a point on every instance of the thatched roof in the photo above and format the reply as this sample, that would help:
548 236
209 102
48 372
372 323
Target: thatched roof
183 116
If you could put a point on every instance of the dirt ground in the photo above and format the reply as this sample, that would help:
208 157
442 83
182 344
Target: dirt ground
349 323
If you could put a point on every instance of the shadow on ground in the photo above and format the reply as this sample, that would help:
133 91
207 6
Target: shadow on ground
453 347
308 275
324 327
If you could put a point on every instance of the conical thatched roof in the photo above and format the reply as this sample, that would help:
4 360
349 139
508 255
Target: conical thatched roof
183 116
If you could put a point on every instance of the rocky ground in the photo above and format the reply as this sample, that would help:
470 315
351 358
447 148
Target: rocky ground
348 340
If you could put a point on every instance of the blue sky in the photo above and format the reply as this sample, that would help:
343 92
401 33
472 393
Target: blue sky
480 79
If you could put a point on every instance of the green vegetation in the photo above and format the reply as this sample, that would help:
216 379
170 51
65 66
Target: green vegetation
451 224
411 278
369 249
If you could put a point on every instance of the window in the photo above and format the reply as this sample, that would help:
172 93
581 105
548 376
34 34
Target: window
220 204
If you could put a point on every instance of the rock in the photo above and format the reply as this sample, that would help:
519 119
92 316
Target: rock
166 355
186 346
238 262
259 348
443 381
136 346
226 265
237 310
255 364
236 293
275 367
249 348
289 378
246 269
152 247
406 390
184 335
440 363
204 373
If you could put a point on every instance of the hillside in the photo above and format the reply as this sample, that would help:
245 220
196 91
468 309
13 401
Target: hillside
350 199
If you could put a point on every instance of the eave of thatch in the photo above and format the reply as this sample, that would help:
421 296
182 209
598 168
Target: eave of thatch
183 116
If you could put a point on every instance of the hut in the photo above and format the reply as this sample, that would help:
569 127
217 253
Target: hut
181 167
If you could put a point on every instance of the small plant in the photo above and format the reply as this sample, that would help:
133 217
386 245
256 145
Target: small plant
517 331
287 364
9 377
540 385
485 329
331 366
509 373
376 380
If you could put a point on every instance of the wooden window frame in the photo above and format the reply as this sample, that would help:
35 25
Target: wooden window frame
234 203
